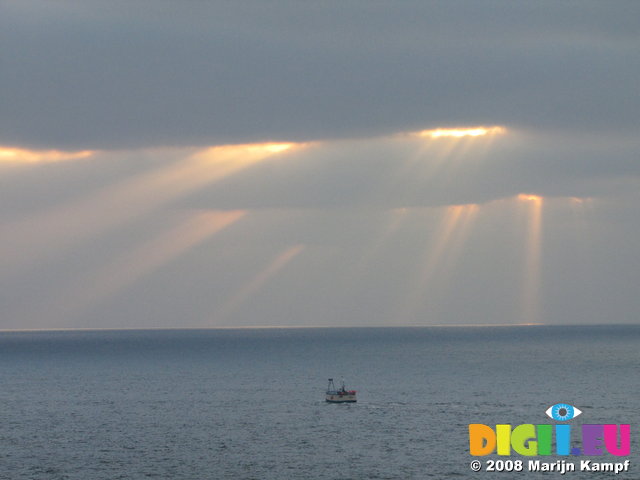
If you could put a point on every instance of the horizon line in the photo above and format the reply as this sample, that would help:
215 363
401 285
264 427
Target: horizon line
298 327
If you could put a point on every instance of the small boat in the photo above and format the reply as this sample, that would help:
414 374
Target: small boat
340 395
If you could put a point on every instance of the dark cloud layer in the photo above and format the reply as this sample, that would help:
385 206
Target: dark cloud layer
122 74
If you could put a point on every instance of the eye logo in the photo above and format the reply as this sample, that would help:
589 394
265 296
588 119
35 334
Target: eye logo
563 411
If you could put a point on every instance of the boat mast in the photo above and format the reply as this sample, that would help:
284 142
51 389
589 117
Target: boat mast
331 385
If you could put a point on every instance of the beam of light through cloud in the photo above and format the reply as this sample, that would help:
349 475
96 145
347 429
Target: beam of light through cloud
439 260
531 299
429 159
67 303
25 156
442 224
369 252
442 155
453 144
28 240
449 258
256 283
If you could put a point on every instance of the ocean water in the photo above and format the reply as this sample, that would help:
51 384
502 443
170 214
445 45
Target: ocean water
249 403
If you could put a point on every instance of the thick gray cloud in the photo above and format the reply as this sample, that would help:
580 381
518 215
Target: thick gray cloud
121 74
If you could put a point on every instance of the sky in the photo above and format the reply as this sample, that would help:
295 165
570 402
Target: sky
283 163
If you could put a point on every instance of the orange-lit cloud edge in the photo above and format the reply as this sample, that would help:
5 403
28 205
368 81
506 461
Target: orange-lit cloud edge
24 155
16 154
13 154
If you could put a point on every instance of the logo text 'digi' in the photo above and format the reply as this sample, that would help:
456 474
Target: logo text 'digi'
530 440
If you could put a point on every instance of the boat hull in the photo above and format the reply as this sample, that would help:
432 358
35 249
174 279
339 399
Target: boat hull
335 398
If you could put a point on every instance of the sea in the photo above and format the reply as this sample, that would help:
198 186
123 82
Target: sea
250 403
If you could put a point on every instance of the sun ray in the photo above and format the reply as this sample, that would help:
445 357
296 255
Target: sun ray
439 258
455 245
450 220
114 206
398 217
248 290
441 153
533 246
94 287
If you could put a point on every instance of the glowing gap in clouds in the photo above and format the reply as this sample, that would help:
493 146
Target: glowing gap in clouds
257 282
462 132
533 246
22 155
130 267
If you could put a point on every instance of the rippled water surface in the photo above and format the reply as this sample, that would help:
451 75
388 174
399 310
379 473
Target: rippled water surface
242 404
